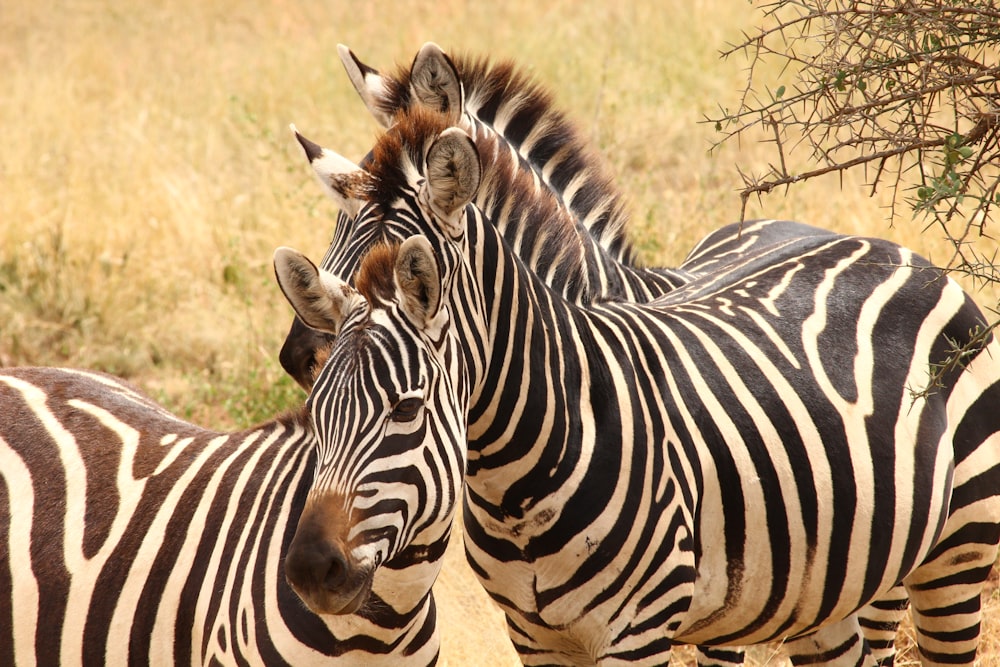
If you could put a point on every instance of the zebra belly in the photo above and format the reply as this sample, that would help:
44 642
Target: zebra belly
812 569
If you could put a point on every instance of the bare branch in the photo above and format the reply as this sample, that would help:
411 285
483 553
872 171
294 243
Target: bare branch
910 87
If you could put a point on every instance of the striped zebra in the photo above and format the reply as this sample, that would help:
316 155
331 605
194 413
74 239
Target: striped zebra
506 107
500 99
556 153
499 102
736 462
128 536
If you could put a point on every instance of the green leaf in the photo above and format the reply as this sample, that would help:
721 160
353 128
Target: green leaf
230 275
838 83
779 92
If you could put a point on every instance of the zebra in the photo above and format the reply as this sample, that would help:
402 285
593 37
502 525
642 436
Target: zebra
558 153
129 536
500 99
729 242
715 466
501 102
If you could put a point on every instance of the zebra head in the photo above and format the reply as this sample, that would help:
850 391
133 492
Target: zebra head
389 405
499 103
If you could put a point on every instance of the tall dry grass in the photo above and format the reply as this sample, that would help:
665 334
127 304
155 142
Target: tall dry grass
147 174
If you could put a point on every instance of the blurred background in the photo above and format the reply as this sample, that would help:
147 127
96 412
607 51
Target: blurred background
147 174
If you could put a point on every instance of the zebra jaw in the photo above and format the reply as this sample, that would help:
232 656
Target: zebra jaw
335 602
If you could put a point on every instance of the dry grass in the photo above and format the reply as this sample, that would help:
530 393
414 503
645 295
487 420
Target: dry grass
147 175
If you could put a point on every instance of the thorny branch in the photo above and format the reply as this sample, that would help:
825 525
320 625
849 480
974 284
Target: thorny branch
910 88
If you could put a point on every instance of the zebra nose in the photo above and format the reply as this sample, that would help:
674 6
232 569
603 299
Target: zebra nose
336 572
326 580
316 566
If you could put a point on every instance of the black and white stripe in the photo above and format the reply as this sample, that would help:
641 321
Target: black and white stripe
738 461
519 209
499 103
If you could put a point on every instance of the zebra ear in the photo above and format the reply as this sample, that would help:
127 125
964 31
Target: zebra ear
435 82
342 180
453 174
369 84
418 281
320 299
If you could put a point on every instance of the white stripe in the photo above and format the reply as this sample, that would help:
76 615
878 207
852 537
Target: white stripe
24 602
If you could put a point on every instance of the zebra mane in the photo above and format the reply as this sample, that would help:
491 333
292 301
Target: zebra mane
522 111
297 417
549 239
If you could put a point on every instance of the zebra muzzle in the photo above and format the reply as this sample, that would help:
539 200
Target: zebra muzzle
319 567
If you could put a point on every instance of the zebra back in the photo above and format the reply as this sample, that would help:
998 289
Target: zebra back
129 536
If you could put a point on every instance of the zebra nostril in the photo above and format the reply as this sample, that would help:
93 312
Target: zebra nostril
336 573
308 567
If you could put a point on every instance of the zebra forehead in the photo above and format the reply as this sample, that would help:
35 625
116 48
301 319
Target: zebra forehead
399 152
374 278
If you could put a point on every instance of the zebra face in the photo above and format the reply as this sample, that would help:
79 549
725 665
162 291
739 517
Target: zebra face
388 410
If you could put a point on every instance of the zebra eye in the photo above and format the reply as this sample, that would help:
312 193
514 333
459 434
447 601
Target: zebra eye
406 410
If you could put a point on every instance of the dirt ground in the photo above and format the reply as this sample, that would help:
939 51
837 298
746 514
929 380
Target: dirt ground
473 631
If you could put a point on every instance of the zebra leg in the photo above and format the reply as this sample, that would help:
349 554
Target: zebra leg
946 604
836 645
879 622
720 656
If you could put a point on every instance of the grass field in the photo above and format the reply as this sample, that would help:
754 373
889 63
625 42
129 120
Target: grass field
147 174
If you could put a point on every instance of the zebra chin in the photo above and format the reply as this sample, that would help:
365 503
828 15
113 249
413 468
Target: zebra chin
320 568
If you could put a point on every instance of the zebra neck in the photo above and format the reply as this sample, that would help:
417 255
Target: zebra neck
546 378
578 251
